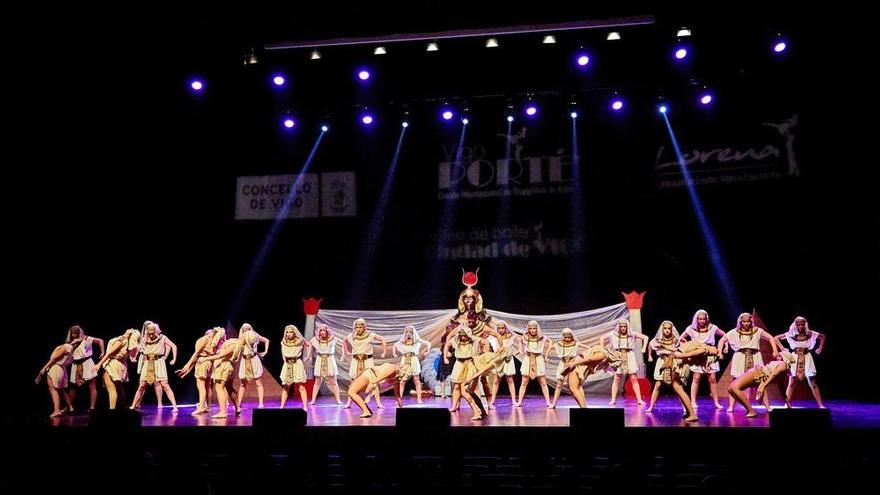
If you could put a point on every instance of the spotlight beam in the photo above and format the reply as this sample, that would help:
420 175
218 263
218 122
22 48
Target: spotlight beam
718 266
269 240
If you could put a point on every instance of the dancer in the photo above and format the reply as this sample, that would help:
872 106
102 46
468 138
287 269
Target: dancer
206 345
567 350
410 347
507 368
250 368
361 342
293 372
623 341
154 348
83 370
373 377
745 340
324 346
701 330
803 342
114 363
664 344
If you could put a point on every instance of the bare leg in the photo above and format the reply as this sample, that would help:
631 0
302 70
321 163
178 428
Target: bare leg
575 385
93 394
170 394
654 395
378 399
691 414
200 386
456 396
560 383
303 395
259 382
157 389
615 384
359 384
473 401
418 382
241 390
56 400
495 384
511 388
634 380
695 388
334 387
736 393
111 390
522 390
315 389
138 395
284 392
222 398
789 390
713 388
543 381
815 388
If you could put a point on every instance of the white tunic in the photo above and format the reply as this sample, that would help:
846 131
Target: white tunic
293 370
533 362
83 362
325 357
744 345
708 338
410 355
804 357
508 367
624 345
362 353
566 353
152 356
249 357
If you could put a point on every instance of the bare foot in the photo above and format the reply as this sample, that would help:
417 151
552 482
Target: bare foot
718 406
730 409
174 409
380 405
611 402
649 410
238 411
691 419
56 414
822 406
347 406
752 414
312 403
641 403
219 416
551 406
491 406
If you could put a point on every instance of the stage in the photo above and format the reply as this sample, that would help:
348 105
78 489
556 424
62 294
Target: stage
667 414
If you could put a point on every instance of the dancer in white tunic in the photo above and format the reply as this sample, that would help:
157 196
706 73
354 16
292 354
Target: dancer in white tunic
507 368
55 371
293 372
250 368
531 349
759 376
206 345
324 346
745 340
622 340
120 350
664 344
701 330
567 349
803 342
154 348
83 370
411 348
358 345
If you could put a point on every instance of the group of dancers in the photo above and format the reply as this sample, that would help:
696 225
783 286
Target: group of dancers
473 346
